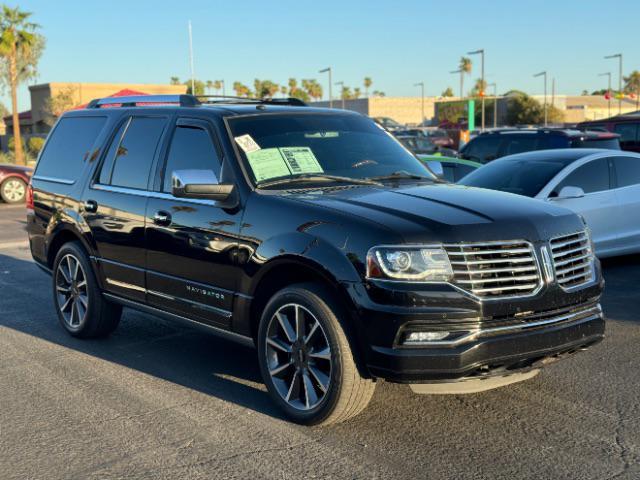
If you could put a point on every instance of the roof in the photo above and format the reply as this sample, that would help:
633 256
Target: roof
561 155
25 115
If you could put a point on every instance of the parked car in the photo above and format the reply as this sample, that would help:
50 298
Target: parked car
601 185
627 126
488 146
13 182
388 123
313 235
450 169
437 136
417 144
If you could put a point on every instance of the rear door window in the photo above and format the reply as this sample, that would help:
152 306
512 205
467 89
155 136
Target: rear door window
69 147
192 148
608 143
519 143
591 177
135 152
627 171
483 148
629 134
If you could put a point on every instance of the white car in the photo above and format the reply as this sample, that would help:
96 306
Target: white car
601 185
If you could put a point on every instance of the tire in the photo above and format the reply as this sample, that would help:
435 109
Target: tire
310 372
81 308
13 190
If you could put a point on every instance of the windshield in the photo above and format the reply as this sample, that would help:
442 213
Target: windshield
291 145
524 177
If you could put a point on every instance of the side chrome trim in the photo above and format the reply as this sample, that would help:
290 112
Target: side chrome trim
574 317
44 178
220 311
226 334
149 194
125 285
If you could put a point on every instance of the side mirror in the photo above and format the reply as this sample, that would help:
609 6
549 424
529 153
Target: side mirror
199 184
570 192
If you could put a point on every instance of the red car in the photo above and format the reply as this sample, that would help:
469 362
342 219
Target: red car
13 182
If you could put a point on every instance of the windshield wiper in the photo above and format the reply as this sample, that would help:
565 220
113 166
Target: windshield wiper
311 177
402 175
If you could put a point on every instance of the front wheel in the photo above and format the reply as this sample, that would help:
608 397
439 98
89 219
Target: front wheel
13 190
306 360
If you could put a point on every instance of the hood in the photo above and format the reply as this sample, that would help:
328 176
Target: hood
448 213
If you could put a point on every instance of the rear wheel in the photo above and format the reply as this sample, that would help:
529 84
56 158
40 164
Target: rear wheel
306 359
82 310
13 190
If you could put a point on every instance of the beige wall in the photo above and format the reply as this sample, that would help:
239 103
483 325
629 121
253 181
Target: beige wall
85 92
401 109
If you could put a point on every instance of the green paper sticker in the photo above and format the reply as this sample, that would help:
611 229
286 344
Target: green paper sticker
267 163
301 160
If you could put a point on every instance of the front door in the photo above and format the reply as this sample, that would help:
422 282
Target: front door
191 243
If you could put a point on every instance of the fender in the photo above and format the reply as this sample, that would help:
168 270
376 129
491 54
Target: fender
68 219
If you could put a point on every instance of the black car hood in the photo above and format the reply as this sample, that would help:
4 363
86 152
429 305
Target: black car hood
449 213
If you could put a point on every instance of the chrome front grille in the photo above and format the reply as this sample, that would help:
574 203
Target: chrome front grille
495 269
572 259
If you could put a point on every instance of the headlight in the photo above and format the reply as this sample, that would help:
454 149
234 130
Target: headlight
410 263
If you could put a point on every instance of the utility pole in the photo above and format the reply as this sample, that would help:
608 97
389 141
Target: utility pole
328 69
495 103
341 92
553 92
421 85
607 74
619 57
544 74
193 77
481 53
461 80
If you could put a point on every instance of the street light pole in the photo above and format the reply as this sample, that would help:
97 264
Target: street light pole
461 79
544 74
619 57
328 69
481 52
608 74
495 103
341 92
421 85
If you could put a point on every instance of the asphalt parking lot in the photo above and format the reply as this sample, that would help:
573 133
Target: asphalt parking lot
157 400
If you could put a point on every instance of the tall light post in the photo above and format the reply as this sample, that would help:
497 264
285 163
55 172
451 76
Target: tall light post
544 74
481 53
619 57
421 85
495 103
461 72
193 75
328 69
607 74
341 92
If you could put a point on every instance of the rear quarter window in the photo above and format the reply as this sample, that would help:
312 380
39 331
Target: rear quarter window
69 147
607 143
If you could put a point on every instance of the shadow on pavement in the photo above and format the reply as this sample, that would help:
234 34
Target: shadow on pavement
176 353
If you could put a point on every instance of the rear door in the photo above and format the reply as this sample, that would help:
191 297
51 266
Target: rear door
627 183
115 203
629 135
191 243
598 206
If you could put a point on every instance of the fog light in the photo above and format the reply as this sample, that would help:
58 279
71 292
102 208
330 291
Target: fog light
419 337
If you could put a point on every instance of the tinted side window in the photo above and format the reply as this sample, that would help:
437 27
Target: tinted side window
591 177
483 148
191 148
628 133
627 171
69 147
520 143
135 153
548 142
107 165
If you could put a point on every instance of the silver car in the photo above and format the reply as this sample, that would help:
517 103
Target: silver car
601 185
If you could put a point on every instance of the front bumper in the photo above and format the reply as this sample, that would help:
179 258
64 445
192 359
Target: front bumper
493 351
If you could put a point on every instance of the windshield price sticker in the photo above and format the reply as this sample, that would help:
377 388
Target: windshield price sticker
301 160
247 143
267 163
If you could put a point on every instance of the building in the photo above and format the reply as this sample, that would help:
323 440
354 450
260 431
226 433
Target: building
402 109
38 120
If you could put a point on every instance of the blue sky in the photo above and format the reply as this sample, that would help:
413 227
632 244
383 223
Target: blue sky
395 43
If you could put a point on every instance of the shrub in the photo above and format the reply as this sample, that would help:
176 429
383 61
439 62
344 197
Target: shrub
12 144
35 144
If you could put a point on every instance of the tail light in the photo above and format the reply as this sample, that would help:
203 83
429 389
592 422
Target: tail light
30 205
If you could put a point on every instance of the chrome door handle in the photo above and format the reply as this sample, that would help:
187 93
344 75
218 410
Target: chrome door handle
162 218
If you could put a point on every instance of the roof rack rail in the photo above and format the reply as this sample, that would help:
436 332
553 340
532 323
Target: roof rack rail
134 100
296 102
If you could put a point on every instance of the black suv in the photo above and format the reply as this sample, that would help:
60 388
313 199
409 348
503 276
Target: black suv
498 143
313 235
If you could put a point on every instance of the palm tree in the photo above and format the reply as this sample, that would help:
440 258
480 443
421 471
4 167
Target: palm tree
356 92
174 81
283 90
367 84
18 36
217 85
465 69
208 85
